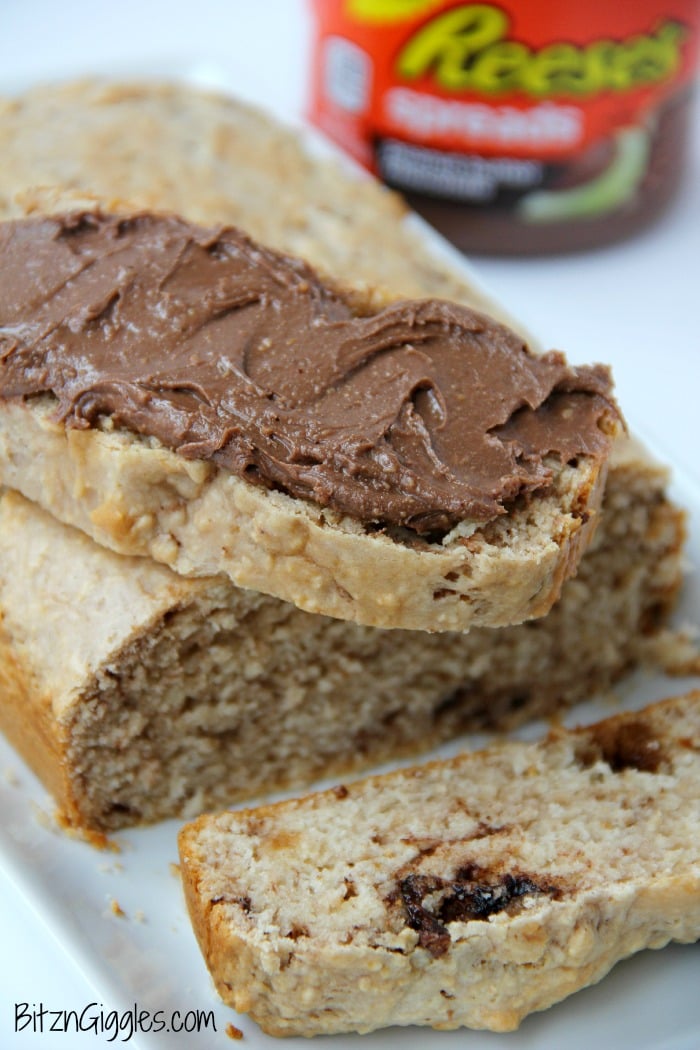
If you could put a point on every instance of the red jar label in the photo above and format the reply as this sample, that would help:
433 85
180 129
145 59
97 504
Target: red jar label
474 101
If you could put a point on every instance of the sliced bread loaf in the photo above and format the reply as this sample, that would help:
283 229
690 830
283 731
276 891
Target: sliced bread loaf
137 694
465 892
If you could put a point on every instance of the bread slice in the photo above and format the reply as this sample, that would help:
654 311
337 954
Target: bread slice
137 694
62 142
464 892
497 541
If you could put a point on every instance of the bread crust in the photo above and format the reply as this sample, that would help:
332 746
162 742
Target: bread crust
285 944
28 721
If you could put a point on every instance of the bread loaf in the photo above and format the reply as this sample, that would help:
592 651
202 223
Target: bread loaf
137 694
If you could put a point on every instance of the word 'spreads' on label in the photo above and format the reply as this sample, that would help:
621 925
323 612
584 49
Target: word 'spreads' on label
514 127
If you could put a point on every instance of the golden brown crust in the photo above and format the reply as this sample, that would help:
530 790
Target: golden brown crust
28 722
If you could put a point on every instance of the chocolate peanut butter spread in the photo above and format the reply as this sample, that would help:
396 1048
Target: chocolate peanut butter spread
422 414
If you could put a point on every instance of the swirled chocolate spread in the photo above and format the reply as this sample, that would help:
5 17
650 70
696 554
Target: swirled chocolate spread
422 414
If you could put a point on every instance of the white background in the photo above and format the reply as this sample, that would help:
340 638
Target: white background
636 305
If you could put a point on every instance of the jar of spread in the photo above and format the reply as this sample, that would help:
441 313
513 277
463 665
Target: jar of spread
516 127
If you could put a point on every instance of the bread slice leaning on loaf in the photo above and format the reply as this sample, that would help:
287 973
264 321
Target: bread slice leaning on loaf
120 142
415 465
464 892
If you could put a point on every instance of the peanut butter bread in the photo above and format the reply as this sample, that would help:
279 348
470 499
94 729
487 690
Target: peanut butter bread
464 892
137 694
180 679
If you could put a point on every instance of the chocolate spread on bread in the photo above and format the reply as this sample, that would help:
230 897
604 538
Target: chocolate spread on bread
422 414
